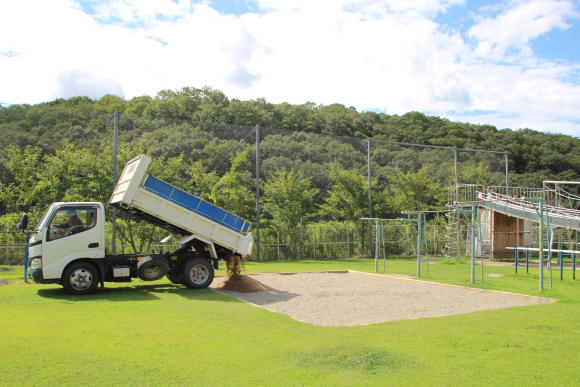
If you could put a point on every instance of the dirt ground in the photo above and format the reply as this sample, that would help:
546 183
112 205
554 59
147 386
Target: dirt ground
354 298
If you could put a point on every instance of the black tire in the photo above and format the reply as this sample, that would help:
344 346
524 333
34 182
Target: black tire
197 273
80 278
152 268
174 276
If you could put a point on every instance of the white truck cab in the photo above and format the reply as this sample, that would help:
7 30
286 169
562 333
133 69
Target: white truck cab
67 232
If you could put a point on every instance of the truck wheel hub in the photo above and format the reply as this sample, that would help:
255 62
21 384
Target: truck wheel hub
81 279
199 274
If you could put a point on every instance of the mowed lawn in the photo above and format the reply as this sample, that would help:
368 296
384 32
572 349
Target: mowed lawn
159 334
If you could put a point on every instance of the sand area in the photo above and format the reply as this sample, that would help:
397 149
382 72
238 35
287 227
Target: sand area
351 298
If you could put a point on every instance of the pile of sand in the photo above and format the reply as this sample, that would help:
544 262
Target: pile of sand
241 284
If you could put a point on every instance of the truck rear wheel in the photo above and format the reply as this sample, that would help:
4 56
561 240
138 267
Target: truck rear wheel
80 278
174 276
197 273
152 268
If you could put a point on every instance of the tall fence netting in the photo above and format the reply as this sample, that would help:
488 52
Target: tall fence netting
404 177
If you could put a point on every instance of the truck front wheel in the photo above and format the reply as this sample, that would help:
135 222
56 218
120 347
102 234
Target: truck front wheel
80 278
197 273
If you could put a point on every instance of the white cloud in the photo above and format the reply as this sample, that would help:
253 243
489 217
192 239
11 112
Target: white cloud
80 83
380 7
517 26
139 11
388 55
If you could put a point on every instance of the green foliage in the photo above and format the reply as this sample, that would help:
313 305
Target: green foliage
288 197
230 191
78 120
414 191
348 197
62 150
23 164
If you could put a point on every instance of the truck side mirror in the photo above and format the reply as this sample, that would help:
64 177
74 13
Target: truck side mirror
23 224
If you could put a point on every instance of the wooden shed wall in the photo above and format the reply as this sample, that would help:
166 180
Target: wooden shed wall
505 234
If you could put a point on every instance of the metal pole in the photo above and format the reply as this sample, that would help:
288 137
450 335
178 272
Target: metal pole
370 193
277 233
26 257
473 243
491 235
507 173
479 233
384 249
457 199
376 245
517 236
347 244
456 174
550 237
408 243
541 247
574 266
301 237
561 265
115 130
516 253
258 192
419 247
426 246
313 243
527 261
434 240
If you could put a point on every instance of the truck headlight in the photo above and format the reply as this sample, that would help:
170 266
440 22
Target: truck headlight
36 264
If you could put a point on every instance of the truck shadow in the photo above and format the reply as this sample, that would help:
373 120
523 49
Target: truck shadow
147 292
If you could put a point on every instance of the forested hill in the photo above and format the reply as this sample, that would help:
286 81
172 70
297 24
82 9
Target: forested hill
533 155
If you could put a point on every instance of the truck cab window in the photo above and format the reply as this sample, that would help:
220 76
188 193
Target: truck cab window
66 222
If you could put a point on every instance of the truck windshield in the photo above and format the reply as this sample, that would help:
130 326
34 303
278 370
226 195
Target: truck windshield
45 217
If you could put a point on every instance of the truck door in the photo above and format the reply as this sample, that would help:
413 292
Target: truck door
73 232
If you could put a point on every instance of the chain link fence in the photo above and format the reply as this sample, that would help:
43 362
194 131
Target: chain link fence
400 177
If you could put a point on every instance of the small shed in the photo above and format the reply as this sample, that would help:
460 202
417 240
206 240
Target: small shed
506 231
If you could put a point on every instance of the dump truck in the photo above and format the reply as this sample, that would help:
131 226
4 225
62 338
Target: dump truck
68 245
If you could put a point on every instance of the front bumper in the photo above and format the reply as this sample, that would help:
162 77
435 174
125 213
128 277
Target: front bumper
36 276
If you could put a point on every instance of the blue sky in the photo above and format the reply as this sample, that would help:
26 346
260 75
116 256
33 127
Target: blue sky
513 64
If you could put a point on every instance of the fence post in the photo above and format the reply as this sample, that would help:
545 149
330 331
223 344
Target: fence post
115 130
435 240
26 257
347 244
507 173
278 234
301 241
370 194
408 248
258 192
313 243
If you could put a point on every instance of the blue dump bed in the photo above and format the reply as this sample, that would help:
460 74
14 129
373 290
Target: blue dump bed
192 203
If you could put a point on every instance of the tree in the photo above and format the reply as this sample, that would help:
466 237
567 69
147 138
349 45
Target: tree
349 198
230 191
414 191
288 197
24 165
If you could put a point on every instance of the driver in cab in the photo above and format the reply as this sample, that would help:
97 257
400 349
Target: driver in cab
73 224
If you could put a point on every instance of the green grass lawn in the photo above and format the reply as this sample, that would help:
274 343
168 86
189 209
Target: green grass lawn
158 334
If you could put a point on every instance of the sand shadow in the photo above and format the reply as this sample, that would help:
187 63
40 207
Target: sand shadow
261 298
